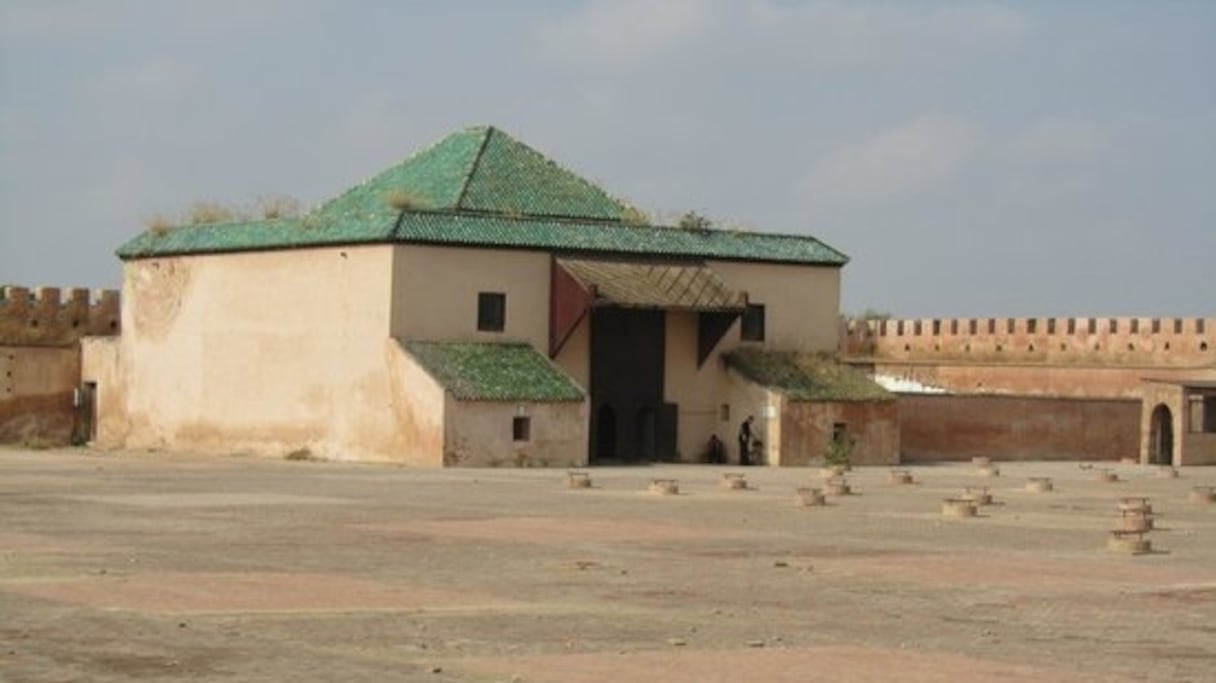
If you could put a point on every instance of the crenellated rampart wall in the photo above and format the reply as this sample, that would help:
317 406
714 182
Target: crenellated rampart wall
1119 341
50 316
40 387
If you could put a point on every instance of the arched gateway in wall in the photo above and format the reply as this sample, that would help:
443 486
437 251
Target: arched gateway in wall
1161 436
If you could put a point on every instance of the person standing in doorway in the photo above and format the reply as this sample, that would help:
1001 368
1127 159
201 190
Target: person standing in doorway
745 441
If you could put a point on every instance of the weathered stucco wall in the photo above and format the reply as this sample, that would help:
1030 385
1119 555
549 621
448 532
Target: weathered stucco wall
801 303
955 427
101 365
480 434
262 352
807 430
699 392
37 385
1034 379
434 293
418 406
575 355
1191 445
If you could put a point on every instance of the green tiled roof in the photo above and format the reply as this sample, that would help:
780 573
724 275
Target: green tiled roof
493 372
806 376
480 187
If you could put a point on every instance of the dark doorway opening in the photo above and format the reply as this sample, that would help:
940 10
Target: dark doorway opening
1161 437
629 418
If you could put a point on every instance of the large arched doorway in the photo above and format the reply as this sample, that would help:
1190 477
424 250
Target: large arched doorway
605 433
1161 437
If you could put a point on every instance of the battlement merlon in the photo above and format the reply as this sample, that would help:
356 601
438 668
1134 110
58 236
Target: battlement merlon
55 316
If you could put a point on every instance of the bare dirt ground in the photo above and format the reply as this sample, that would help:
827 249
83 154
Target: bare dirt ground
117 567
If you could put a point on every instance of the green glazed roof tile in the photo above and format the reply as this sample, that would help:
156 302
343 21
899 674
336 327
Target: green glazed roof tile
493 372
481 187
806 376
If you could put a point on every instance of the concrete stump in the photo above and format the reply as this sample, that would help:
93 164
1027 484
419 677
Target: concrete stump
958 507
578 480
990 470
1107 476
1135 504
1039 484
1128 543
734 481
981 461
901 477
831 471
664 487
1203 494
1167 472
978 494
810 497
1136 521
838 487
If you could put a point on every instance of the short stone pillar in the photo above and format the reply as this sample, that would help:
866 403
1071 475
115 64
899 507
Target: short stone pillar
838 486
577 479
810 497
981 461
901 477
1039 484
1136 520
978 494
1167 472
989 470
958 507
1203 494
664 487
1128 543
734 481
1107 476
832 471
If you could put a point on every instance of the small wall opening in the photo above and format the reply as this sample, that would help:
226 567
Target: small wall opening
521 428
1161 436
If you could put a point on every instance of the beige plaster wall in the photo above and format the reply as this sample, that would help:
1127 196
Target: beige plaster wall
479 434
1152 395
435 293
418 407
575 355
801 303
745 398
698 391
261 352
101 363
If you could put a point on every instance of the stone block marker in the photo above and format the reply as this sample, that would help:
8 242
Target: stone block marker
577 479
734 481
810 497
1203 494
664 487
958 507
1107 476
901 477
981 461
989 470
832 471
1039 484
1128 543
978 494
838 486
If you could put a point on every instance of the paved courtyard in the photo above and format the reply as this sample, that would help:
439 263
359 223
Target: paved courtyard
164 567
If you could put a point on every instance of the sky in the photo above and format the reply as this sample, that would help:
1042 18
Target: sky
1052 158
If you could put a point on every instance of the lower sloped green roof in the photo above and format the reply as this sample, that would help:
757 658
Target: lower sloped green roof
805 376
472 371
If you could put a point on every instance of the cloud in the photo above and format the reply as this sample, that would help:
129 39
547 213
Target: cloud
1056 141
919 156
627 35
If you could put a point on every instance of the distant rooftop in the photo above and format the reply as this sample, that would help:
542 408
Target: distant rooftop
804 376
472 371
481 187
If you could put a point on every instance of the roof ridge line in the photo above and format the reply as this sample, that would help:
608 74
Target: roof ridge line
468 176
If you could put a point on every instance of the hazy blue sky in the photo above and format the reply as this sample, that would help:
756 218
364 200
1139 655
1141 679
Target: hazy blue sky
973 158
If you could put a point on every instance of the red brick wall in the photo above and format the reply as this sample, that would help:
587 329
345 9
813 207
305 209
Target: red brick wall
806 431
952 427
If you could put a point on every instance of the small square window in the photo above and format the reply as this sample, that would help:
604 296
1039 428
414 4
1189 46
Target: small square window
491 311
753 323
521 428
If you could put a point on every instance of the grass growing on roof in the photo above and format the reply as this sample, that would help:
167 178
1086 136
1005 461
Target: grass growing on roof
804 376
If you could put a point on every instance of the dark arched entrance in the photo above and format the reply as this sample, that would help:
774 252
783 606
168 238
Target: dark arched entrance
605 432
1161 437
